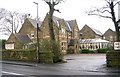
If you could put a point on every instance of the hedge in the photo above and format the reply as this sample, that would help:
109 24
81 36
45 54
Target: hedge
113 58
19 55
28 55
87 51
104 50
49 53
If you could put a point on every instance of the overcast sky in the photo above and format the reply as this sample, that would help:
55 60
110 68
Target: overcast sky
70 9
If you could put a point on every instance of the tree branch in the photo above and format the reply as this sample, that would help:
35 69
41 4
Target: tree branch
99 11
57 10
105 11
48 2
101 16
108 2
58 1
116 3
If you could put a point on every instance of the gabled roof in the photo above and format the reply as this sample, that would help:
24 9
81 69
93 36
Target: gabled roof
34 22
70 24
20 37
23 38
97 31
109 30
56 20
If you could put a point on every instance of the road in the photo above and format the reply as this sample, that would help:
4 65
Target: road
82 64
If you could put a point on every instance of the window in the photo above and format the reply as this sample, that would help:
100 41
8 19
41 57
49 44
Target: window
32 34
111 38
75 34
63 31
63 45
104 37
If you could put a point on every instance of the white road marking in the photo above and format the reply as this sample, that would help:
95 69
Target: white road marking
11 73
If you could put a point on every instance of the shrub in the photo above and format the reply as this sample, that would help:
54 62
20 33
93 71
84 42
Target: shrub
2 44
58 55
52 47
104 50
19 54
87 51
46 57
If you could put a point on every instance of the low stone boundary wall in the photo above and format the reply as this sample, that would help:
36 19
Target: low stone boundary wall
113 59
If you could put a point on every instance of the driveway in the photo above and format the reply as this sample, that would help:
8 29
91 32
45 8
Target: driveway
89 62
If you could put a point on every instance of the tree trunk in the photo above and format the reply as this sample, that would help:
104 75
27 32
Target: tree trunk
117 32
114 20
55 48
52 35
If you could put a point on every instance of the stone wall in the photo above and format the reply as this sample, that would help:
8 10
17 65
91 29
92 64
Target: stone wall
113 58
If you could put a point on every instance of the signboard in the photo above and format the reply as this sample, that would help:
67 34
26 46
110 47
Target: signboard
9 46
116 45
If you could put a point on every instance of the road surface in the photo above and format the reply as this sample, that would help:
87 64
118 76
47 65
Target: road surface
80 64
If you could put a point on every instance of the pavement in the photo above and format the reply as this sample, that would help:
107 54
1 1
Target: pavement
19 63
79 62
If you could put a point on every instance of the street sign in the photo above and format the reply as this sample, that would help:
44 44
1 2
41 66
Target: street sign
116 45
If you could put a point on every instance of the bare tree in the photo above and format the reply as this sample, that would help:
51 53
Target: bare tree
55 47
52 4
10 21
108 9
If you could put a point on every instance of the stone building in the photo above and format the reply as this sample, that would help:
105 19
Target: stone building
18 41
25 34
63 30
110 35
89 33
91 39
59 31
29 28
73 35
